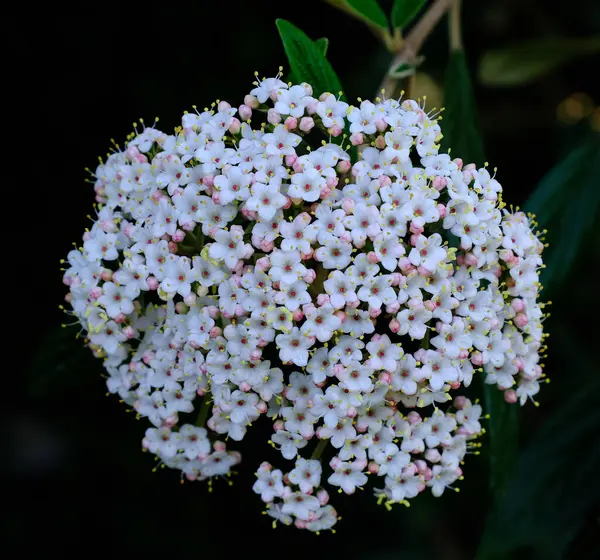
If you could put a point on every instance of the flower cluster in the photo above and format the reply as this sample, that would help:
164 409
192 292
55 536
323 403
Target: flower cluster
345 292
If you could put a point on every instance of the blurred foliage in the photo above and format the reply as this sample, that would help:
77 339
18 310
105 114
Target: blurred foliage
405 11
102 489
526 62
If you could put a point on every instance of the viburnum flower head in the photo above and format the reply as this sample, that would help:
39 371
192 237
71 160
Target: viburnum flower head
344 292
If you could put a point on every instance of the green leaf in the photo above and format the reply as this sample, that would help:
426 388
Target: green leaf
368 11
307 61
555 482
567 204
323 45
459 125
404 11
503 435
523 63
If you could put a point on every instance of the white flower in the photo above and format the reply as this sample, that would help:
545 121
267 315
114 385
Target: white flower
266 200
269 484
293 347
348 477
306 474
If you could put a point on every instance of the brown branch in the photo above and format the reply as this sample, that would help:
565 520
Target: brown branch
409 53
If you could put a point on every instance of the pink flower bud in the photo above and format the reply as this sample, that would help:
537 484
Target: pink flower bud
380 142
424 271
357 139
255 355
323 497
208 180
518 305
348 205
477 358
215 332
106 275
68 297
251 101
518 362
380 125
322 299
414 239
190 299
439 183
235 126
470 259
223 106
120 318
248 214
372 257
267 246
392 307
384 181
335 462
245 112
96 292
510 396
432 455
299 524
219 446
306 124
331 182
340 315
298 166
273 116
413 417
442 210
385 377
353 304
310 276
290 160
298 315
288 203
178 236
521 320
291 123
279 425
421 466
244 386
170 421
324 193
459 162
343 166
129 332
374 312
311 107
460 259
346 237
463 354
394 325
334 130
416 228
373 467
213 311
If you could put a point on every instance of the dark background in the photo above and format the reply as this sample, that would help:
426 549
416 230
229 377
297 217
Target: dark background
83 483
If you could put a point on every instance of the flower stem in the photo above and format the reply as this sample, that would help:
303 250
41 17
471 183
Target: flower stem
413 42
454 28
319 449
204 408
